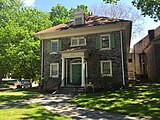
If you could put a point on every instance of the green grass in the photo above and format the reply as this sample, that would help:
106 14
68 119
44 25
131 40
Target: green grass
29 112
17 95
143 101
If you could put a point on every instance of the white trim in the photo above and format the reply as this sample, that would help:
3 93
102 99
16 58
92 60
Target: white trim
108 48
77 38
54 76
123 78
101 64
57 46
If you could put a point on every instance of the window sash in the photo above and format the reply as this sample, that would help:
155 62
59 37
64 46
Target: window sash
54 46
78 41
106 68
105 41
54 70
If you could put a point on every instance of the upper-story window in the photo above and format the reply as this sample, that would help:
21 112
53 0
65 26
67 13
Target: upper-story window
54 45
105 41
79 41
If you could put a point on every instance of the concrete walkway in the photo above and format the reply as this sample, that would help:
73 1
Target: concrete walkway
58 104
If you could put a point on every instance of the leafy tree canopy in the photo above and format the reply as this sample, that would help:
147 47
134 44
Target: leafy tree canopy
60 14
19 51
147 7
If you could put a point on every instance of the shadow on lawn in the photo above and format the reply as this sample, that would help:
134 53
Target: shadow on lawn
141 101
9 96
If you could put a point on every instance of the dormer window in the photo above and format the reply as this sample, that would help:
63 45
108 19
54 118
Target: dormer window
78 17
78 20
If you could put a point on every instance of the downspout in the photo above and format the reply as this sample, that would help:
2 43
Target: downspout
42 61
121 37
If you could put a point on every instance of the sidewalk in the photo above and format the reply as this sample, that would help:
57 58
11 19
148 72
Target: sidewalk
58 104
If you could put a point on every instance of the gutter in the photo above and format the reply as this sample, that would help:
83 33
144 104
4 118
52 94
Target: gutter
42 61
121 37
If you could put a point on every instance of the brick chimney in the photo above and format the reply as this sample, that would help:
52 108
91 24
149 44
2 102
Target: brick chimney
151 35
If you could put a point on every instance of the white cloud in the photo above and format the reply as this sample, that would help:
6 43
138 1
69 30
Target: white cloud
28 2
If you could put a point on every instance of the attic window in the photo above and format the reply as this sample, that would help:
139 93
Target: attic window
78 20
78 15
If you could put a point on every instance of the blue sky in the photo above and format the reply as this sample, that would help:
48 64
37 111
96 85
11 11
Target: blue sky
46 5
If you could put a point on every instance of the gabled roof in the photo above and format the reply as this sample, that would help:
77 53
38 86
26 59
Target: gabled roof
89 22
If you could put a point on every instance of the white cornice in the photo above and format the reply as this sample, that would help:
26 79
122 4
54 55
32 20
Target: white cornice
83 31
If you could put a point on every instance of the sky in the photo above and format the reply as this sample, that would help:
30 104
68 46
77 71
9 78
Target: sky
46 5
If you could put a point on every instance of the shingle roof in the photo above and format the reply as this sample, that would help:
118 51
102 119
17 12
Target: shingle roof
89 21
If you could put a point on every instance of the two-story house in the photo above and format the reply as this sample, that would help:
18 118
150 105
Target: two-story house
89 47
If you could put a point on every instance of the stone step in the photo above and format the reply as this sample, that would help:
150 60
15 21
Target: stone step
70 90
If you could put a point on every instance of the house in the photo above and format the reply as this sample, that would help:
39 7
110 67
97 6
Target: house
146 56
85 49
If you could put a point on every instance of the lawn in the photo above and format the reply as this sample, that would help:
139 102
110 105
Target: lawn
17 95
142 101
29 112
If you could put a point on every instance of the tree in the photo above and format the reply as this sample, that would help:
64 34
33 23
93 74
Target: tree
147 7
60 14
121 11
20 51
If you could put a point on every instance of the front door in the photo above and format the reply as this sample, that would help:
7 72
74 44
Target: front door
76 73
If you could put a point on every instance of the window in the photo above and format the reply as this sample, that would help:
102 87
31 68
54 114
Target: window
130 60
105 41
54 46
79 41
54 70
78 20
106 68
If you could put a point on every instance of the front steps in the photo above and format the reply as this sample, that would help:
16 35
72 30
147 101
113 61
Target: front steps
70 89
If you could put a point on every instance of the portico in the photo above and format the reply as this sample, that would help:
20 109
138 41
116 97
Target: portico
78 66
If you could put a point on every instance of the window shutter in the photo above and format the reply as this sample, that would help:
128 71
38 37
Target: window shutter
59 45
98 42
112 40
48 46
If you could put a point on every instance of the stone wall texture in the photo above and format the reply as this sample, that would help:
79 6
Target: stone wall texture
94 57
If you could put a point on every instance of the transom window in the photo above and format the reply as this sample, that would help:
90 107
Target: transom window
105 41
106 68
54 70
54 45
79 41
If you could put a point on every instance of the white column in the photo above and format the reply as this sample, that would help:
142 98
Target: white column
63 71
66 70
83 73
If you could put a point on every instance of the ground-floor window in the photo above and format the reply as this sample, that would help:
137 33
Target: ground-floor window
54 70
106 68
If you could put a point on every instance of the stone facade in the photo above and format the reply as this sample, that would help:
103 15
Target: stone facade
93 60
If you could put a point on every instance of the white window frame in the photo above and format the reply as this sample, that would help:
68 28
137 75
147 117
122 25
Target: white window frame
54 76
109 41
78 38
57 46
110 68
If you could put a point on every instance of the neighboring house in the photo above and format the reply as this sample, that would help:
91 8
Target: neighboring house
147 57
85 49
131 73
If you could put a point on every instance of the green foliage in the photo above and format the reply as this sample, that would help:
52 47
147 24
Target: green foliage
143 101
60 14
20 51
147 7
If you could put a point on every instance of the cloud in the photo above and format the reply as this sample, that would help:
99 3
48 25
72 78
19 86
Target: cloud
28 2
